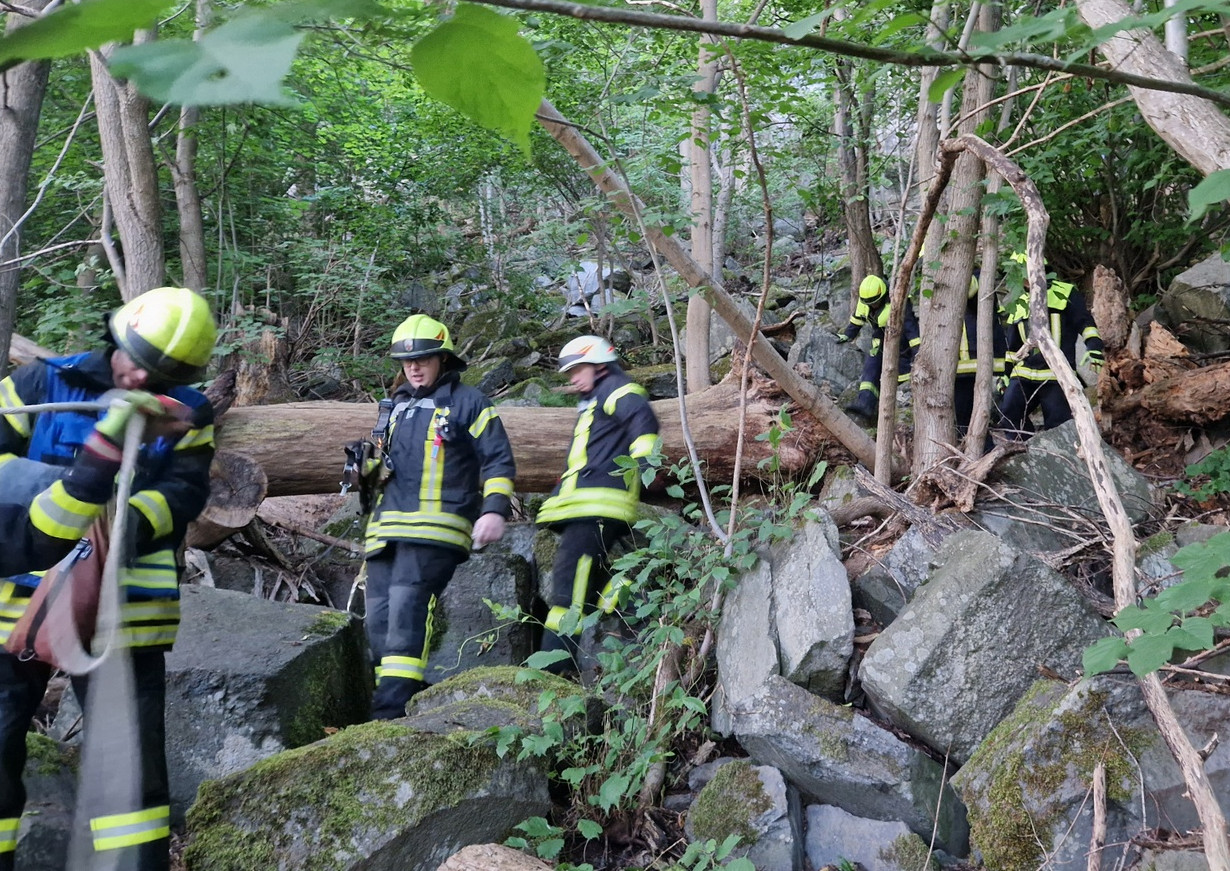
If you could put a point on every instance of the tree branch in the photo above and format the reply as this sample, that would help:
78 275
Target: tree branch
924 58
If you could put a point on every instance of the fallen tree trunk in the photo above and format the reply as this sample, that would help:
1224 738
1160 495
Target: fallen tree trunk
299 444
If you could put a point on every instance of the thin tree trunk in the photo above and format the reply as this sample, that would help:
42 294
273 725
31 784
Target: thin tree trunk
21 100
699 315
187 196
130 178
852 137
942 313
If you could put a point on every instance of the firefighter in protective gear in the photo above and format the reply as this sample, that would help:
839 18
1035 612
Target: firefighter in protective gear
1033 384
967 359
873 309
595 503
160 341
448 485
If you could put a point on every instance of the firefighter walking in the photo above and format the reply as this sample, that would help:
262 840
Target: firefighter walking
873 309
448 482
595 502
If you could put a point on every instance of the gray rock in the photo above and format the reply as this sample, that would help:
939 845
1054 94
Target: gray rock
50 778
835 366
746 647
381 796
834 836
961 654
1046 501
837 756
490 375
1197 304
249 678
888 586
755 803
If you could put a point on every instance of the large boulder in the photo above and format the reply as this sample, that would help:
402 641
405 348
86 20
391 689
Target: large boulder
968 646
789 615
1196 306
249 678
1028 785
834 837
835 755
1045 500
381 796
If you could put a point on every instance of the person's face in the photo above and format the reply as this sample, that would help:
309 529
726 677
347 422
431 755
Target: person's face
423 371
126 374
583 377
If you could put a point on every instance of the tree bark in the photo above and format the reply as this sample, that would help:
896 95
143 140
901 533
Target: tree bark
21 99
299 444
942 313
1195 128
130 178
701 165
187 196
811 400
492 857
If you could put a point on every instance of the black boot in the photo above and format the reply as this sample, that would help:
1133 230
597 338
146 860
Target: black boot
391 697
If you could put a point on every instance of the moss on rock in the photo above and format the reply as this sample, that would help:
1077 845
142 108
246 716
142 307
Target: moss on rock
729 804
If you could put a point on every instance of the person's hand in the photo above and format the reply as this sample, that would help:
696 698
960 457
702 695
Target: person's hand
166 416
1094 359
488 528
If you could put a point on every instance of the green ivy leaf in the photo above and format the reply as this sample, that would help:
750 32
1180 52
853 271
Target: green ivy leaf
543 658
242 61
1103 655
1148 653
550 848
943 83
480 65
73 28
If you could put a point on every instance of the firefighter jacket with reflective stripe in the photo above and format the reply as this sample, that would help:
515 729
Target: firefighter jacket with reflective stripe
876 314
614 420
448 462
1068 318
967 354
170 487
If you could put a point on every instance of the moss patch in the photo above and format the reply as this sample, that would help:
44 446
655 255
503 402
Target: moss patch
1026 767
47 757
729 803
328 623
326 797
910 853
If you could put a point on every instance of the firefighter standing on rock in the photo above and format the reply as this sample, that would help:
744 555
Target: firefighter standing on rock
449 471
595 502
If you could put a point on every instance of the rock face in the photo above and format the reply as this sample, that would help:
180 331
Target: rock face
791 615
969 644
1047 502
1027 787
249 678
1198 301
755 803
381 796
837 756
834 836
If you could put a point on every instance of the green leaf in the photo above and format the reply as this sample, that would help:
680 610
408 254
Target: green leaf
543 658
73 28
613 790
1148 653
1196 633
1184 596
1204 559
537 827
242 61
805 26
1150 620
550 848
480 65
1214 189
1103 655
589 829
943 83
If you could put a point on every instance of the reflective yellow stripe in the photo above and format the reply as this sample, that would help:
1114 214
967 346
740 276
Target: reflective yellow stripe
153 506
195 438
590 502
555 619
578 456
154 574
8 834
128 830
59 515
431 483
612 593
1033 374
643 445
498 486
402 666
480 423
10 398
451 529
1090 333
630 388
870 387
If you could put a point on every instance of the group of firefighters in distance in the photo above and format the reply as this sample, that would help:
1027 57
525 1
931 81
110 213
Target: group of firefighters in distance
444 470
1028 382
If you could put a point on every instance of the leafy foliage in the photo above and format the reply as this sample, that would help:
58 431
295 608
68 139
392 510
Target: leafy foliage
1208 478
1180 618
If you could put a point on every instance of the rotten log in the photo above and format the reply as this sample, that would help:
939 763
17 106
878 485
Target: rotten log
299 444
